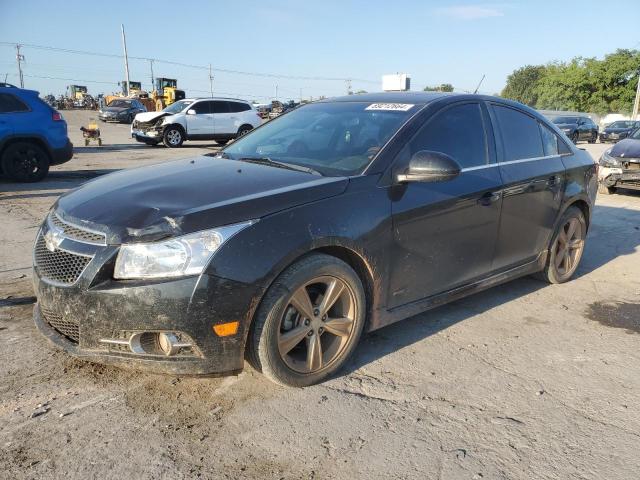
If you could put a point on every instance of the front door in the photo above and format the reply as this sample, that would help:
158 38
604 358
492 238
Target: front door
445 232
199 119
533 174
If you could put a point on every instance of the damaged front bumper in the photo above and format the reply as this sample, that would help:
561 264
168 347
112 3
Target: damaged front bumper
619 177
96 318
146 131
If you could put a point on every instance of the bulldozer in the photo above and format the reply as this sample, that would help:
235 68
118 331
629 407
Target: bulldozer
166 92
135 91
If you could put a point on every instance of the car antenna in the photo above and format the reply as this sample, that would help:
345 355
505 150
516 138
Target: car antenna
480 83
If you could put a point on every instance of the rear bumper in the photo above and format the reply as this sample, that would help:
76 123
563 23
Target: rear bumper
62 155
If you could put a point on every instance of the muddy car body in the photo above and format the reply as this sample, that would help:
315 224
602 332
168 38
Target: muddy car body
339 217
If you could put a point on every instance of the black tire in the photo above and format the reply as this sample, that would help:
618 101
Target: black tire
25 162
551 272
222 142
594 137
243 130
173 137
574 137
262 344
604 190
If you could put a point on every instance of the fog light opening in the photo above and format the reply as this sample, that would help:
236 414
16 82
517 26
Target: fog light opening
168 343
155 343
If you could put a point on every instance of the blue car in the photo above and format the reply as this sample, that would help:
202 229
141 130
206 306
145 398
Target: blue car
33 136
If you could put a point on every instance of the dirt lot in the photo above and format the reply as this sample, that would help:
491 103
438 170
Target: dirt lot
522 381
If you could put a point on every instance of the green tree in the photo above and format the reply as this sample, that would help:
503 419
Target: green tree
443 87
522 84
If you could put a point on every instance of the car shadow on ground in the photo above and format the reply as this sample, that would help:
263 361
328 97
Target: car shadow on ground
606 241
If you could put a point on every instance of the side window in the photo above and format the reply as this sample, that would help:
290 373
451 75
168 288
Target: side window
10 103
549 140
201 107
220 107
238 107
457 131
520 134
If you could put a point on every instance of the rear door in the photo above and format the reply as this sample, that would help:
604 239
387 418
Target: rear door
13 112
200 122
445 232
222 118
533 176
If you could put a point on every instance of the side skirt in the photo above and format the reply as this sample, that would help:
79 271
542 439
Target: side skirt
383 318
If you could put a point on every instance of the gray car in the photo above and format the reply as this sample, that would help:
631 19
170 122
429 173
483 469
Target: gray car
121 110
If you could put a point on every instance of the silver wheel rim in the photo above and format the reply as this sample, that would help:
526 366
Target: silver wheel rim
568 248
174 137
317 325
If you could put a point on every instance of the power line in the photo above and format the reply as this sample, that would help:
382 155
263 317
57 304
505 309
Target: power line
187 65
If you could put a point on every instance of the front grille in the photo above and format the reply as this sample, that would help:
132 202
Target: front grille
59 266
69 329
76 233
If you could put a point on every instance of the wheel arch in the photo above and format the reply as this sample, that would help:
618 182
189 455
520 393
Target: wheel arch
251 127
31 138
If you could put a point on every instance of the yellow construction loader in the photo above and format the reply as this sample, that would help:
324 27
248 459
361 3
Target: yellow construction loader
166 92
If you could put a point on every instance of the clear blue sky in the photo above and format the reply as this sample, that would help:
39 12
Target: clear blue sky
435 42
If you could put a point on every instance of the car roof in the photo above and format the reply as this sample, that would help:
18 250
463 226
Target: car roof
391 97
18 90
219 98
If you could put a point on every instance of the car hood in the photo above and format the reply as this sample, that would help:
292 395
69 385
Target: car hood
627 148
566 125
616 130
115 109
150 116
184 196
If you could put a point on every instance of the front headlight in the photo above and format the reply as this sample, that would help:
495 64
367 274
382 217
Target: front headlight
606 160
176 257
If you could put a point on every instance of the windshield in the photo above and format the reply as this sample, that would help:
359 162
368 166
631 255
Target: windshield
622 124
177 107
120 103
338 138
559 120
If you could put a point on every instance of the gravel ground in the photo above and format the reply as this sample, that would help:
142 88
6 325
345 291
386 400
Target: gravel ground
522 381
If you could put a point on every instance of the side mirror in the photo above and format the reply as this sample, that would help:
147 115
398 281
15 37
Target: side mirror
427 166
191 111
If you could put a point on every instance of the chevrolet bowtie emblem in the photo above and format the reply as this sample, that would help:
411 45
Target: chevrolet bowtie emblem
52 239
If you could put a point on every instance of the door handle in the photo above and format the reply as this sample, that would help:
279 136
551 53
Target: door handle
553 181
490 197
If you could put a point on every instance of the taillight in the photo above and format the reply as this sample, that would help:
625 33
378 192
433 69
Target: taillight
56 117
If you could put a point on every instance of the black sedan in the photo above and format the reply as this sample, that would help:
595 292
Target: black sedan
618 130
121 110
620 165
577 128
335 219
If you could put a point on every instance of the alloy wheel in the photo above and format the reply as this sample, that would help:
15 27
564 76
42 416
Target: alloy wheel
174 137
568 247
317 324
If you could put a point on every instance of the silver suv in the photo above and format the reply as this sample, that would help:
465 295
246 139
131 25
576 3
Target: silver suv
219 119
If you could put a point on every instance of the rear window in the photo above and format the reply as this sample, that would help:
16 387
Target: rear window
10 103
238 107
520 134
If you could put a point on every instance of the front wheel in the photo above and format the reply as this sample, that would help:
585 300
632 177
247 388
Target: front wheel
173 137
574 137
566 247
309 322
25 162
593 138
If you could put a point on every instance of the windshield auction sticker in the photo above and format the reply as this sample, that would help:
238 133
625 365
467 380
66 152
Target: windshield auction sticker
398 107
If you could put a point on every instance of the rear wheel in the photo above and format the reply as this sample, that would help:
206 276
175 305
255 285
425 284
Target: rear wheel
574 137
309 322
25 162
173 137
566 247
594 137
243 130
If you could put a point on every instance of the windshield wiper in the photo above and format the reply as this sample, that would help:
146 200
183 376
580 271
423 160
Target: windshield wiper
275 163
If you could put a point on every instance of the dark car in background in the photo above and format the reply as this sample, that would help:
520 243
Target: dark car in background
338 218
33 135
577 128
618 130
620 165
122 110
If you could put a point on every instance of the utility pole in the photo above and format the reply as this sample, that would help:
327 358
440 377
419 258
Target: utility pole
153 82
300 94
348 81
20 59
636 103
210 80
276 92
126 58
